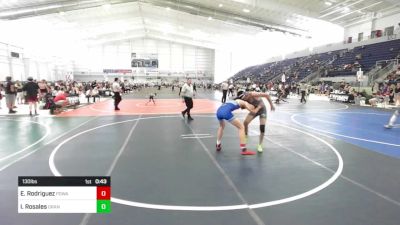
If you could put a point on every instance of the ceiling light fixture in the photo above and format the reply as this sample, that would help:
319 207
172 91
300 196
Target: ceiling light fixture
246 10
220 5
328 3
168 8
210 18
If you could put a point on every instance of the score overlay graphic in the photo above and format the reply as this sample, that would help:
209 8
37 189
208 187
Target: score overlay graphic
64 195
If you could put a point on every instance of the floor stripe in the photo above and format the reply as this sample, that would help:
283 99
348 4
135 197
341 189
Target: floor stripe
324 121
37 149
195 137
253 215
183 135
86 218
205 208
314 190
340 135
114 163
341 176
48 131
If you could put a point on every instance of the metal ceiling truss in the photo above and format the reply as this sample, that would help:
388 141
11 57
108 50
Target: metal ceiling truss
179 5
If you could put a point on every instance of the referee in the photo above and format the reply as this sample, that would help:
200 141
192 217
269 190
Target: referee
187 93
117 93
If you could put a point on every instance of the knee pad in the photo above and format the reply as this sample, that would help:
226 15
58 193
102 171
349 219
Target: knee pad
262 128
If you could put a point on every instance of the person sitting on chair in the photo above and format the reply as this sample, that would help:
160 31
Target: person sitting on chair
95 94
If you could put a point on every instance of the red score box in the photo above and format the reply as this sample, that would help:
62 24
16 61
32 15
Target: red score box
103 193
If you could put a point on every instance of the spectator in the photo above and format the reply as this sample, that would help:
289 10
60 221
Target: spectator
374 100
20 93
10 92
397 94
32 90
391 95
224 87
44 88
61 99
231 87
89 94
303 89
95 94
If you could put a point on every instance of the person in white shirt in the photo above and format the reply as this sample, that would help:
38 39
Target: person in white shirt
187 93
116 88
94 93
231 87
224 87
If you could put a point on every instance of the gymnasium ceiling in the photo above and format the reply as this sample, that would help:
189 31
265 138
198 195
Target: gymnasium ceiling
199 22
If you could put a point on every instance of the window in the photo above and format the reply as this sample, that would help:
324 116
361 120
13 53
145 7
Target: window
360 36
388 31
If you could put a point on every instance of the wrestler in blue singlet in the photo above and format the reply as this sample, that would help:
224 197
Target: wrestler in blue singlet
224 112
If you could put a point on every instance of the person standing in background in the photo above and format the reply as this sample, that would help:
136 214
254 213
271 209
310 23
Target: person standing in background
44 89
116 88
32 90
231 87
224 87
303 88
180 88
20 93
397 95
10 94
187 93
194 87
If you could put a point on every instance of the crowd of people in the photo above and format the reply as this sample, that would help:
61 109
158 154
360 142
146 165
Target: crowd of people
59 95
33 92
388 90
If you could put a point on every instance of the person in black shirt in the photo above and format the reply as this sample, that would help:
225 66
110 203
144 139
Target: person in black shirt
32 90
10 94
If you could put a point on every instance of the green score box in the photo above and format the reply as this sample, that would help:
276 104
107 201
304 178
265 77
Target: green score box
103 206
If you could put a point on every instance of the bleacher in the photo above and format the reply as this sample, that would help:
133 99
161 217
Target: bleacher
300 67
368 56
338 63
